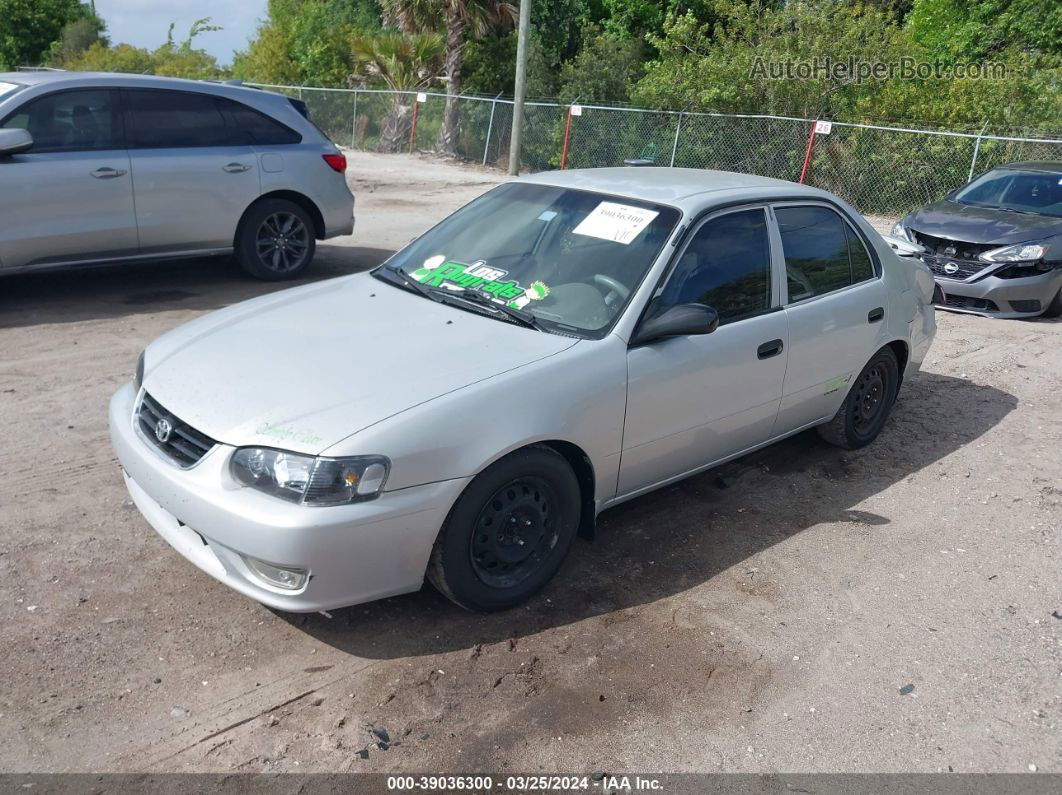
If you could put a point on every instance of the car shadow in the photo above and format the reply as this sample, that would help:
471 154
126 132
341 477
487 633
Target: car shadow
121 290
682 536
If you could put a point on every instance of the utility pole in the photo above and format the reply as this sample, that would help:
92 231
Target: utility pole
520 88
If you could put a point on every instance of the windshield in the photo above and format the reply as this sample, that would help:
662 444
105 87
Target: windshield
570 258
1022 191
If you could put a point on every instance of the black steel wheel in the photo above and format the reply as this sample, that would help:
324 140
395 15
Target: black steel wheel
275 240
861 417
509 532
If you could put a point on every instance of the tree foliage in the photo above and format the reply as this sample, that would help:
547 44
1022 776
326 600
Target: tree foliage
28 29
171 59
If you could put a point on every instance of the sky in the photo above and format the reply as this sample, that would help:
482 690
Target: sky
143 23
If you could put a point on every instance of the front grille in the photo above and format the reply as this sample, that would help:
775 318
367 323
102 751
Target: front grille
183 444
953 259
963 302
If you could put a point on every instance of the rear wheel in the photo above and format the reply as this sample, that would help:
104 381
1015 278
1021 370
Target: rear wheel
1054 309
509 532
866 408
275 240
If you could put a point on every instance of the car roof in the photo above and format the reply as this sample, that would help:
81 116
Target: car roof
1034 165
688 188
60 78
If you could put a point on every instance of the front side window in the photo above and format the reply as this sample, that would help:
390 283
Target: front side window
822 252
571 258
69 121
727 266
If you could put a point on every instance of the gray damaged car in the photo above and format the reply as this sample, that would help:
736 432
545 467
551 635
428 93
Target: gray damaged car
563 343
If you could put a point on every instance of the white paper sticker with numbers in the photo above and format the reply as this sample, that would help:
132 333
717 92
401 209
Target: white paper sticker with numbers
823 127
619 223
422 97
577 110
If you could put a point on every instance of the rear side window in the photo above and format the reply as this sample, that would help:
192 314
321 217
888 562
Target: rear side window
822 253
181 119
256 127
70 121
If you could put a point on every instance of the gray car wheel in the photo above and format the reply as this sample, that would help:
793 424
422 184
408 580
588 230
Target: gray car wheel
867 405
275 240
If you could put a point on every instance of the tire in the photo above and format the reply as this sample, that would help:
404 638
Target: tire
531 500
275 240
1054 309
866 408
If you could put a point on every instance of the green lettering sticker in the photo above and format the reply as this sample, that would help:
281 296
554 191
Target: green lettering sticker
438 271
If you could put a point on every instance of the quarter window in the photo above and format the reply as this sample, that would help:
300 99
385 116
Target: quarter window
256 127
727 266
69 121
822 252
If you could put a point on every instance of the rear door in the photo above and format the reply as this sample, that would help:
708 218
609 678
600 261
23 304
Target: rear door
835 301
70 197
193 174
692 401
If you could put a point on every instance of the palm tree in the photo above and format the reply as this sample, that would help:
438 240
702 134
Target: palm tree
460 19
405 62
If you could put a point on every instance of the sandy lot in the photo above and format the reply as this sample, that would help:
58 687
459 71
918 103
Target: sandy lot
805 609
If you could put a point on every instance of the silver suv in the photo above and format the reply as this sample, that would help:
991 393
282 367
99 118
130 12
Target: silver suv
108 167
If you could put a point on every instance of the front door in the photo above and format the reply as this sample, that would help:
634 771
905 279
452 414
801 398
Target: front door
836 303
193 175
693 401
70 197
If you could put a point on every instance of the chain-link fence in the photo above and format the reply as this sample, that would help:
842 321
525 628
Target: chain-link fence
880 170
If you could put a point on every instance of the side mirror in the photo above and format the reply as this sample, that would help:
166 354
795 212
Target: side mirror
14 141
904 248
677 321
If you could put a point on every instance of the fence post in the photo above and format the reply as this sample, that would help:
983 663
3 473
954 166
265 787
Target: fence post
490 127
674 145
567 135
977 148
413 126
807 154
354 123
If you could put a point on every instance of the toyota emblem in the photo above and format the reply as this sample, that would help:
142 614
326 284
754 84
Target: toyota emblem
163 429
951 267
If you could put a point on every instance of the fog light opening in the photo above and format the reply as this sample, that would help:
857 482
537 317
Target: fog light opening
276 576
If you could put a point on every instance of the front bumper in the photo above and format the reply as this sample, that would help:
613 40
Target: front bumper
993 297
353 553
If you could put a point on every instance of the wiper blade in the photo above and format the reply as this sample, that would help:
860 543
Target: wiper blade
399 276
482 299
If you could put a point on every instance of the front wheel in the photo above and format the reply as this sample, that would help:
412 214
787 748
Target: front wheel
275 240
508 533
864 411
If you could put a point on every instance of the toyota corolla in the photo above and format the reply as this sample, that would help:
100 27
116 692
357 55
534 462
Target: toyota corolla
563 343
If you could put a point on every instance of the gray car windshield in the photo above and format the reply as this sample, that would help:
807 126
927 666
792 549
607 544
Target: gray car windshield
570 258
1022 191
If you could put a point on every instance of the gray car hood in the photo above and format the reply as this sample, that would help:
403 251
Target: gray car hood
307 367
983 225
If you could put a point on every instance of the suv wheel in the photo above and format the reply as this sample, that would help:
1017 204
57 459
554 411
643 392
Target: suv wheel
509 532
275 240
864 411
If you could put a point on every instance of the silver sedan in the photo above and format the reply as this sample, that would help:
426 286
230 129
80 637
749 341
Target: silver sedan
564 343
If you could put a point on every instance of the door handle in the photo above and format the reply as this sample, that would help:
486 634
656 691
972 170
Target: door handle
769 349
874 315
235 168
108 173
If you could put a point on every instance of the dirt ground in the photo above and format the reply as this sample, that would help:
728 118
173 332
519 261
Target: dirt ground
804 609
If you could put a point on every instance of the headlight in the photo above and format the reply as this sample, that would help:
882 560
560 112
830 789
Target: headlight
138 376
1023 252
900 231
308 480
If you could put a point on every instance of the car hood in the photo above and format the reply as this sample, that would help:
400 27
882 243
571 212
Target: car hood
307 367
984 225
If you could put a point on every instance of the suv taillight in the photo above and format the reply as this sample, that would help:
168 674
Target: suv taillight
338 161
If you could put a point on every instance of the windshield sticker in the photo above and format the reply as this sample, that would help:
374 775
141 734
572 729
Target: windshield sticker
619 223
438 271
